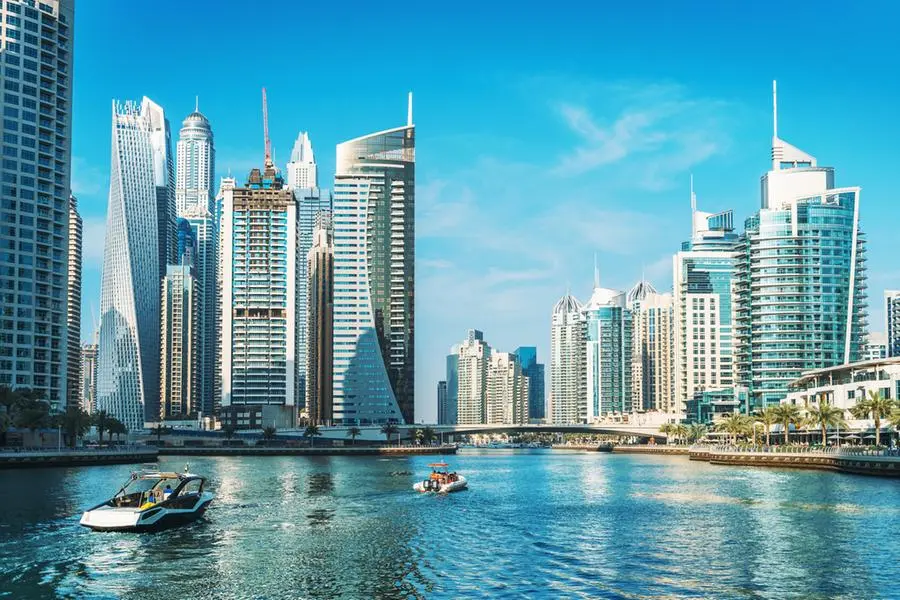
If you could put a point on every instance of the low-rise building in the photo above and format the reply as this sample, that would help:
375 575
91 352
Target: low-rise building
845 385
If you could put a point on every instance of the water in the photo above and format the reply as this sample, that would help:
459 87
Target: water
534 524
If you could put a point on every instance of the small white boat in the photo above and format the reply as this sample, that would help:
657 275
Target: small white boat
441 481
151 501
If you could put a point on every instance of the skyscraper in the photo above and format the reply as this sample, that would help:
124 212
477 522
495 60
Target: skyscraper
567 366
34 196
892 321
703 273
800 285
301 170
374 289
88 384
313 206
449 415
194 181
506 397
473 358
652 321
178 343
196 164
607 355
73 307
319 314
635 297
876 347
137 240
442 403
534 370
259 297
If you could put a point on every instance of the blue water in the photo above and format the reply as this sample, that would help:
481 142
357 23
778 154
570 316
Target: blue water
534 524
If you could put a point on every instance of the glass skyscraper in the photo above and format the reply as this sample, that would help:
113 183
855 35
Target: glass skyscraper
703 273
800 286
892 321
535 373
137 238
608 355
36 48
374 290
567 393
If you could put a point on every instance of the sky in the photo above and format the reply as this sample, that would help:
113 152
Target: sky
546 133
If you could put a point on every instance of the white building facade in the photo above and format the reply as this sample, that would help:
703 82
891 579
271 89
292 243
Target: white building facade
140 187
506 399
892 321
567 362
301 170
473 359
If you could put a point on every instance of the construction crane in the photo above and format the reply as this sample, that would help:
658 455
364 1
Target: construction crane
265 107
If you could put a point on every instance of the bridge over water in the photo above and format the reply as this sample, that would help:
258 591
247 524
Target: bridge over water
374 432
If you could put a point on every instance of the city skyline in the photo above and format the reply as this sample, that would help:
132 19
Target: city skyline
675 112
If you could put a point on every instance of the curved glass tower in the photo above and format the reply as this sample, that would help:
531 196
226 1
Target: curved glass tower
800 287
374 291
136 239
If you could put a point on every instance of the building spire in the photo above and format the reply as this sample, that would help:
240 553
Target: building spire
596 272
774 109
196 103
693 208
409 120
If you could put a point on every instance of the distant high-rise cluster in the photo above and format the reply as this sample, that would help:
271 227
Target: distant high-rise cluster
485 386
749 313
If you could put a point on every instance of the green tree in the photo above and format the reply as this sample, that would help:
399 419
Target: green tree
101 421
669 430
428 435
268 433
786 414
696 431
116 427
75 423
768 417
735 424
311 432
31 414
160 430
894 418
681 432
825 415
353 433
389 429
876 406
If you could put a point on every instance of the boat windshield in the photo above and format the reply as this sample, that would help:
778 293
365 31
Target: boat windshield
142 486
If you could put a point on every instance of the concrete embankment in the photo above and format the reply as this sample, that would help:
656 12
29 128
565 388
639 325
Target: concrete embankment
588 447
75 458
287 451
862 464
652 449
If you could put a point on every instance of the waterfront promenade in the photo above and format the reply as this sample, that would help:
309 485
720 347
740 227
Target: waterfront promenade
885 463
65 457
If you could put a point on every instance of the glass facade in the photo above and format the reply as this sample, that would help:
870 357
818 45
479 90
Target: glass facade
535 373
608 356
36 48
374 291
800 291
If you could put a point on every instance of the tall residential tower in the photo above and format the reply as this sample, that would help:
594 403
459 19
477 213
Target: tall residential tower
73 306
567 366
37 46
137 239
374 277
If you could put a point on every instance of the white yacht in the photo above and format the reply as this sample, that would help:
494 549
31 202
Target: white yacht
151 501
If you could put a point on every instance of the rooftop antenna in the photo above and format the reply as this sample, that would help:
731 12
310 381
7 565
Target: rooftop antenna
693 206
265 108
409 120
596 272
774 108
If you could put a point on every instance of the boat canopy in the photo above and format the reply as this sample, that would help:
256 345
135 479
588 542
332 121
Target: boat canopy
440 464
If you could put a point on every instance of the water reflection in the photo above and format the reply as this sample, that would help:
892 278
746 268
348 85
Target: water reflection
534 524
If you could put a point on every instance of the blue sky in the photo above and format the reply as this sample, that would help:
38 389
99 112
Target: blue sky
545 132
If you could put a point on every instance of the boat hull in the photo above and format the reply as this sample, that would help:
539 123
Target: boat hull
154 518
454 486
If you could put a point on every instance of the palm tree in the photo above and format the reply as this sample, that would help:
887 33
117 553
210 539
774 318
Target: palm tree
735 424
826 415
680 430
353 433
32 415
669 430
894 418
428 435
268 433
785 414
768 417
696 431
389 429
419 436
117 428
75 422
311 432
876 405
101 420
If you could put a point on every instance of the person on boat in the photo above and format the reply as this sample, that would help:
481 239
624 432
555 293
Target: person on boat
167 492
151 497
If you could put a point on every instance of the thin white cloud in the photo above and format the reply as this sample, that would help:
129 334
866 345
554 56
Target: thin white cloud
86 179
93 238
